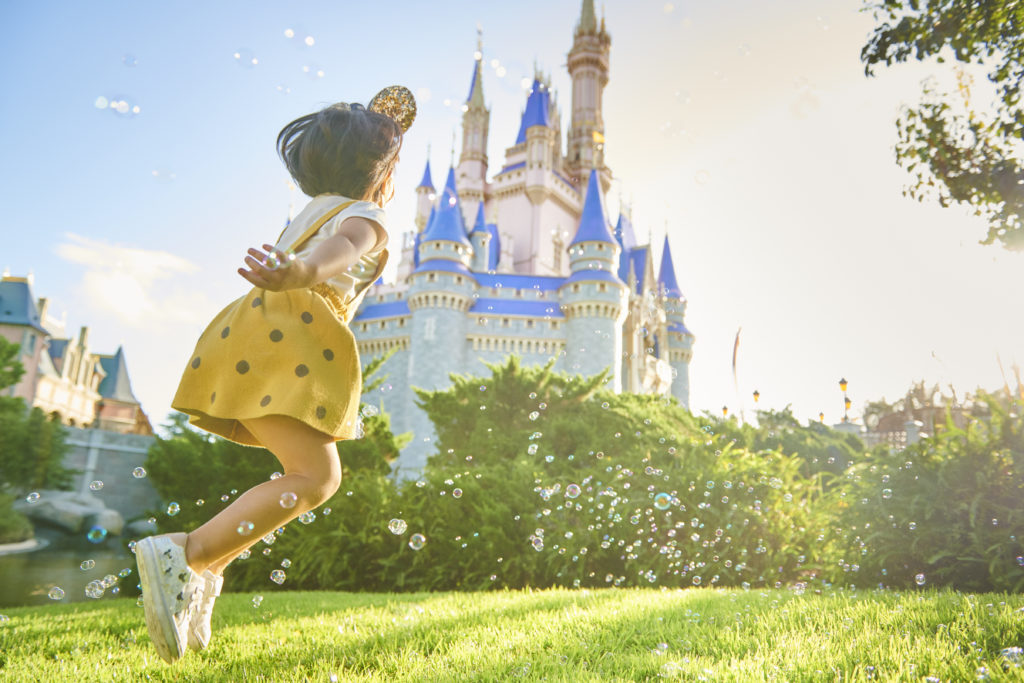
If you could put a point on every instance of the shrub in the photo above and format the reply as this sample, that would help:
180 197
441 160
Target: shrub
14 526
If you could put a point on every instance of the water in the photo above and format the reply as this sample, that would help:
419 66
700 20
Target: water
26 578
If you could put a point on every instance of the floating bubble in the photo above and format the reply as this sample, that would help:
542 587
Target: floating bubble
307 517
96 485
56 593
96 534
173 509
125 573
32 498
1020 561
245 554
457 493
886 494
101 102
244 57
416 541
534 415
537 542
95 589
572 491
370 411
87 565
397 526
200 502
309 41
919 579
288 500
277 576
139 472
256 600
662 501
245 528
1013 655
286 563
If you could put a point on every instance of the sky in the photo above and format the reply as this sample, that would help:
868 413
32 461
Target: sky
139 165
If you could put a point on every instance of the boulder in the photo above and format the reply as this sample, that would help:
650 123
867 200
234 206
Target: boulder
111 520
71 511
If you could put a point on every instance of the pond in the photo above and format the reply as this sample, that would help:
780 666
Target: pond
26 578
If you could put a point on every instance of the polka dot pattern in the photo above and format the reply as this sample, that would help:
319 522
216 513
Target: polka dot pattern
242 367
321 412
225 332
257 302
301 370
276 335
307 317
265 401
213 397
195 363
328 354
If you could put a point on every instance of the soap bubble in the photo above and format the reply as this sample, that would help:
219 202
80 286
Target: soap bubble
173 509
397 526
572 491
919 579
256 600
277 576
307 517
139 472
200 502
96 485
416 541
95 589
288 500
56 593
662 501
129 60
87 565
32 498
245 528
534 415
96 534
457 493
286 563
125 573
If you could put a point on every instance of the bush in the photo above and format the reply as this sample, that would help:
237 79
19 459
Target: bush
32 449
14 526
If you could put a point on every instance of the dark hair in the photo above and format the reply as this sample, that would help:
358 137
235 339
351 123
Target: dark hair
341 149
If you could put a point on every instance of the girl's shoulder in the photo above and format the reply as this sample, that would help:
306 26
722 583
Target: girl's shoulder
362 209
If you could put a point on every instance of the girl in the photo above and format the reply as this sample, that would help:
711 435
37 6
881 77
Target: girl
278 368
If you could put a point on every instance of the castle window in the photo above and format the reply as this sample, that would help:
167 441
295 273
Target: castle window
519 293
600 246
363 327
601 287
401 322
529 324
437 245
398 295
575 288
383 324
554 324
504 322
458 279
431 277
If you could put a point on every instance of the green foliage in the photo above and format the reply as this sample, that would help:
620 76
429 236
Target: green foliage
32 449
948 507
11 368
956 152
14 526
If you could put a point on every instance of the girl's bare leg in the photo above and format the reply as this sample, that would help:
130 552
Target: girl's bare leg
312 472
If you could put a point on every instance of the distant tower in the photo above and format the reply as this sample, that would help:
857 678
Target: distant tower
476 117
680 340
588 67
440 293
593 299
424 198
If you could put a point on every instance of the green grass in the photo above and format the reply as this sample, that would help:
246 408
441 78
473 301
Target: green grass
554 635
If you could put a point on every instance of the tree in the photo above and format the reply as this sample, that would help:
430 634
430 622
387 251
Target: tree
11 368
956 152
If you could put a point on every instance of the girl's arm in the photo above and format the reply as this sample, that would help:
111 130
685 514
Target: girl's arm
355 237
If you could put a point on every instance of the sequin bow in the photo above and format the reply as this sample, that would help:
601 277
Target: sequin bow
397 102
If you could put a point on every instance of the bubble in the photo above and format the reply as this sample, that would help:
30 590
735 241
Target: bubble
277 576
537 542
245 57
256 600
534 415
288 500
307 517
886 494
663 501
4 618
173 509
309 41
139 472
397 526
696 581
96 485
245 528
1013 655
95 589
572 491
912 526
101 102
200 502
96 534
919 579
87 565
416 541
1020 561
532 449
369 411
56 593
125 573
286 563
606 405
327 511
314 71
245 554
550 458
457 493
32 498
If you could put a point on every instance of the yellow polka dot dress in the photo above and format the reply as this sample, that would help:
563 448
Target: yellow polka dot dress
283 353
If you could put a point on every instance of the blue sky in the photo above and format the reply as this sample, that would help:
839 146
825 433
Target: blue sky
744 129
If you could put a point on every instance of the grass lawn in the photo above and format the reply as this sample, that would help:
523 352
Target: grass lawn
555 635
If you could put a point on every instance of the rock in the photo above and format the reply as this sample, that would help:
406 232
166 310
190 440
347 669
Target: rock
111 520
71 511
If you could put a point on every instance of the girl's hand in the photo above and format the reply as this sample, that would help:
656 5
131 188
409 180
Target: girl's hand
275 270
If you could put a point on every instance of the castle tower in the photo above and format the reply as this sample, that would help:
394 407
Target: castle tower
536 131
593 298
424 199
680 340
476 117
486 247
440 293
588 67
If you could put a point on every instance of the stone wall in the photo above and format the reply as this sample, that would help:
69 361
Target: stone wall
110 457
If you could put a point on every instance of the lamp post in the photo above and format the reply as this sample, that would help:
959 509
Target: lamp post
846 400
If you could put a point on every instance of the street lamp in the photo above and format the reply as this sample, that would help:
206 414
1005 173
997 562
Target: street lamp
846 401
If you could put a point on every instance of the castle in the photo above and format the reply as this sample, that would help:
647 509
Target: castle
526 262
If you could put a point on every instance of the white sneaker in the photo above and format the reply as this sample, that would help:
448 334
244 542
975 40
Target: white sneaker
199 630
170 593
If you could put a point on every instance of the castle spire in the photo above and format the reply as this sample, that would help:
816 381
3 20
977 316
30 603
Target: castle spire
588 19
427 180
667 284
593 221
475 99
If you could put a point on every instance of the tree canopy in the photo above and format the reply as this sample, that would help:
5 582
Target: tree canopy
957 151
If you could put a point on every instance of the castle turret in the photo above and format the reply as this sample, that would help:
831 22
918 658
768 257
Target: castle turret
540 137
476 117
680 340
485 243
593 298
588 67
424 199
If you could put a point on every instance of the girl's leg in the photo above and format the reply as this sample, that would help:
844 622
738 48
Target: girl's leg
312 472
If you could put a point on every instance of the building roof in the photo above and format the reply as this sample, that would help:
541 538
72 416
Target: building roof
443 264
592 275
638 259
495 247
480 225
57 348
447 223
593 222
543 283
427 181
588 19
624 233
475 98
512 167
538 107
18 305
667 277
679 327
534 309
116 385
386 309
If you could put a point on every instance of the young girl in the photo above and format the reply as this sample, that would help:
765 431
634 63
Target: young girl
279 368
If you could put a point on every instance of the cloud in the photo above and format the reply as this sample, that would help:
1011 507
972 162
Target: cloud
139 287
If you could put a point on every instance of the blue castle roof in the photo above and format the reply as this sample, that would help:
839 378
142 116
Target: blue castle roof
472 82
538 106
446 222
445 265
592 275
17 305
534 309
679 327
638 257
116 384
494 246
480 225
387 309
667 278
427 181
593 222
626 238
544 283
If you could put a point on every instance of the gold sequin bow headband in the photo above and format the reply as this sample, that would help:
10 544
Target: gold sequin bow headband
397 102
